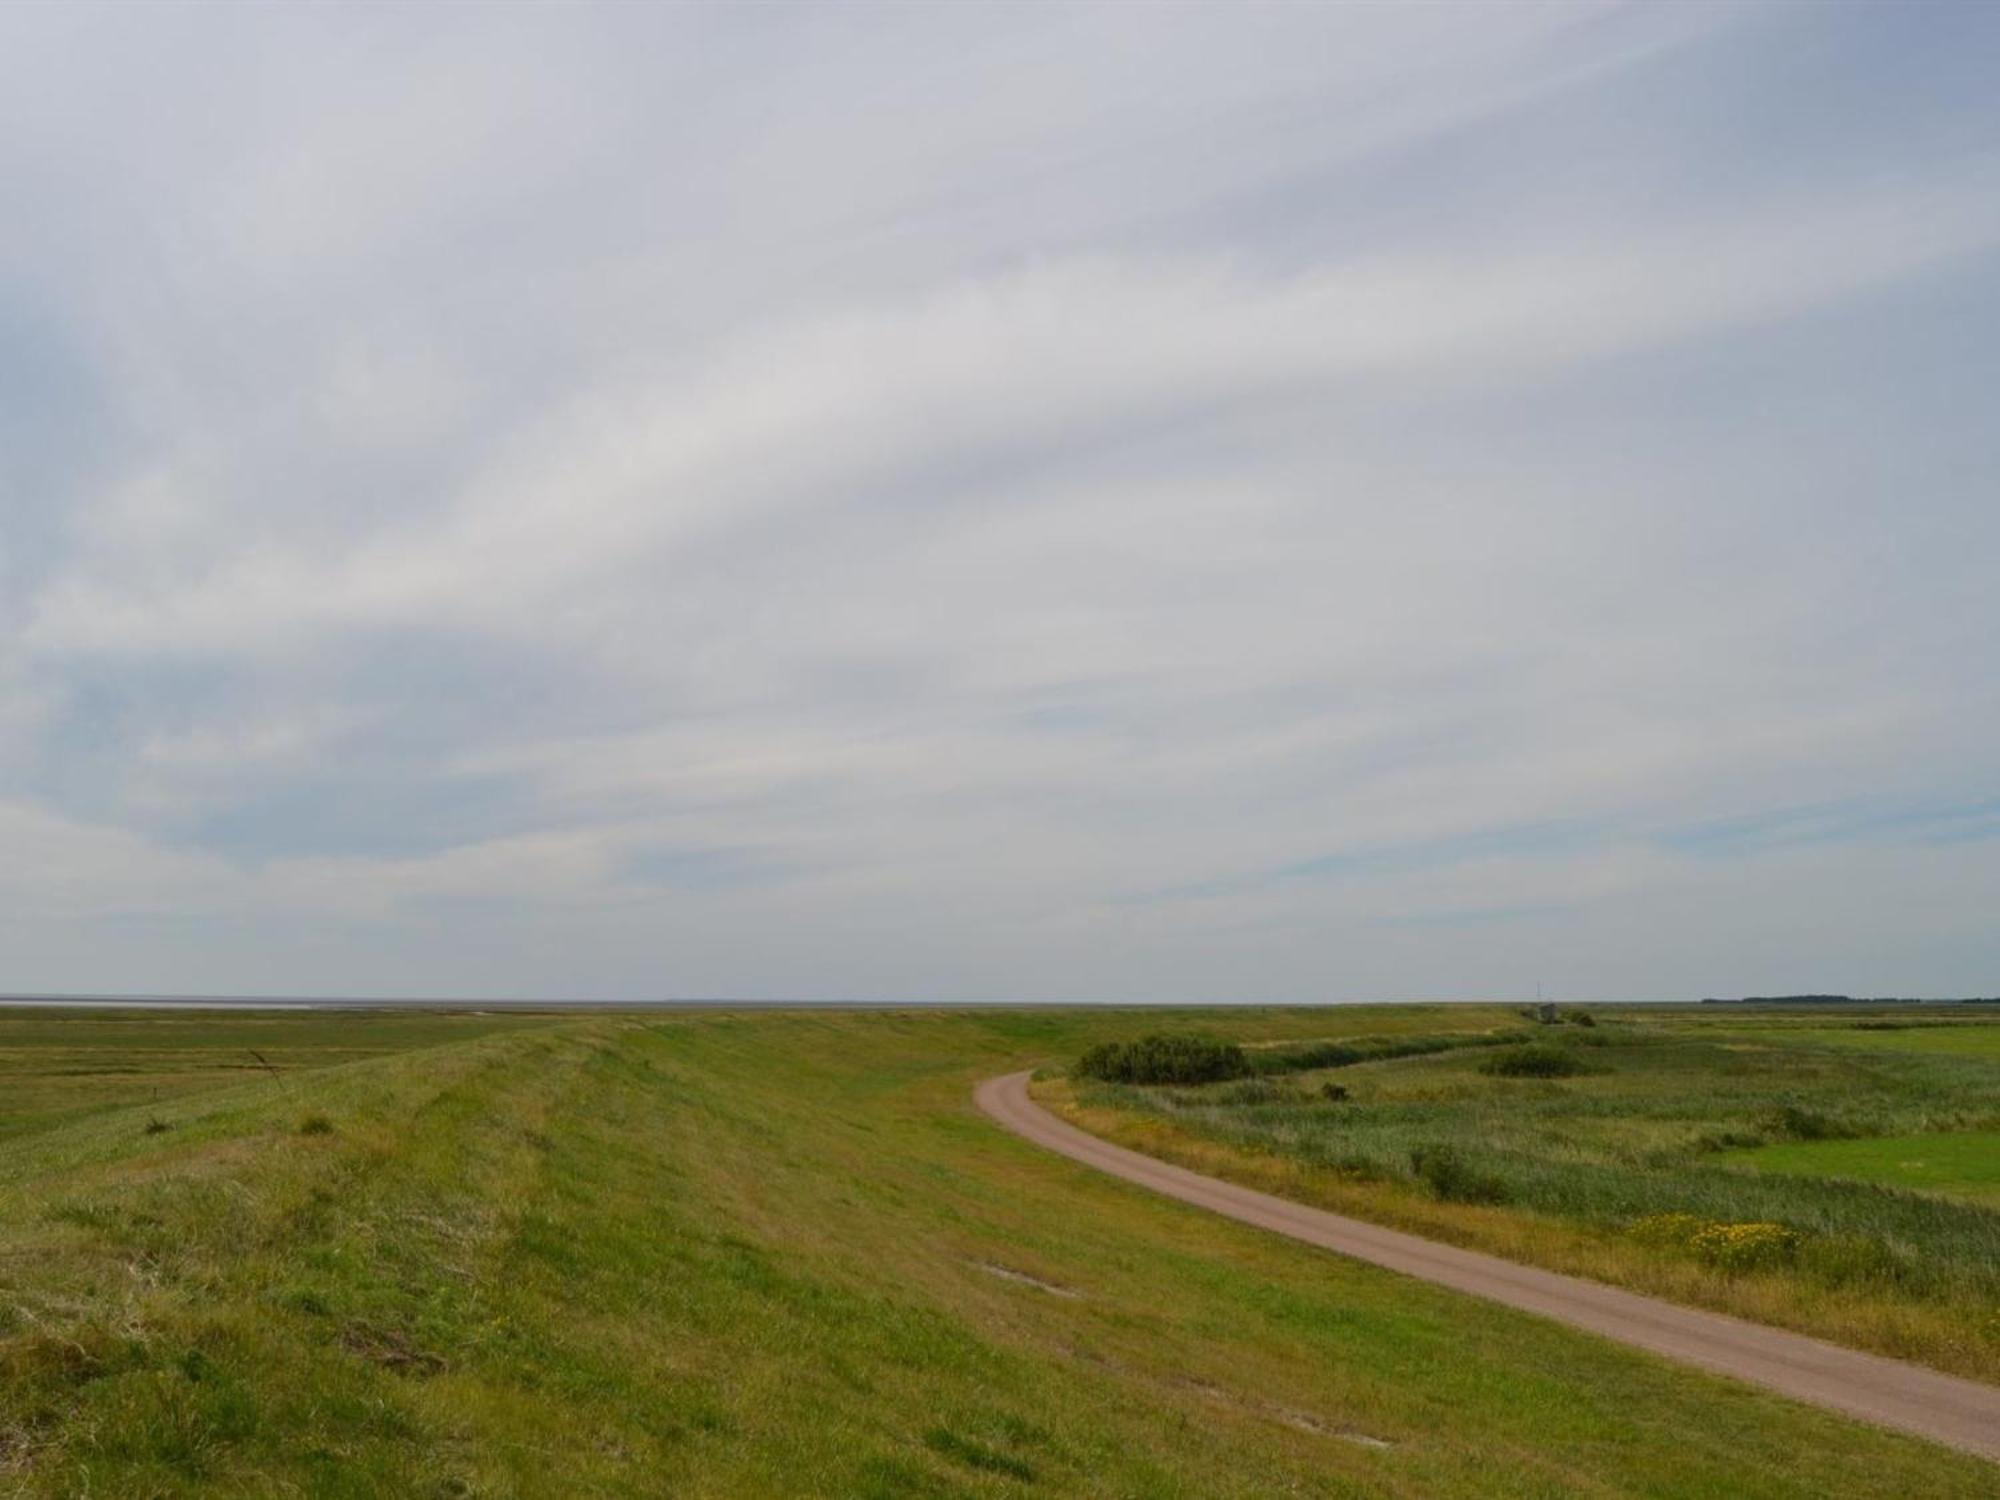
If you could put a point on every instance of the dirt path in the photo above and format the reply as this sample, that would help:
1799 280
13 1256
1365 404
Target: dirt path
1960 1413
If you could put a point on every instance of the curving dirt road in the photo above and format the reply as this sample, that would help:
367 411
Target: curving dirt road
1959 1413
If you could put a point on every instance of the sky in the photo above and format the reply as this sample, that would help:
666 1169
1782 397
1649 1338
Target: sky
978 502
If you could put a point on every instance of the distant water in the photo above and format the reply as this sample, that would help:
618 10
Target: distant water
358 1002
354 1002
414 1002
174 1002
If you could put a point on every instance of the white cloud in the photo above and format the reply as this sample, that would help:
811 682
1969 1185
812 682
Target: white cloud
983 495
810 414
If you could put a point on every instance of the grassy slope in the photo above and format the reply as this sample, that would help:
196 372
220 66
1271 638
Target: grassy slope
753 1255
57 1066
1908 1274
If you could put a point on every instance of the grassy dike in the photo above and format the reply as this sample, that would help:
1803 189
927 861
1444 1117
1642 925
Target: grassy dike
758 1254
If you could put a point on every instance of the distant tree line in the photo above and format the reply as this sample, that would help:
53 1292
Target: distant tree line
1847 1000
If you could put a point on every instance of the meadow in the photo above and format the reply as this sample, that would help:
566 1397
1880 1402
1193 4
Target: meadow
757 1254
58 1066
1833 1176
1958 1164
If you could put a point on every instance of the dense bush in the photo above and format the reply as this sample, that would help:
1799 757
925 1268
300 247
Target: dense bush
1534 1061
1450 1177
1164 1058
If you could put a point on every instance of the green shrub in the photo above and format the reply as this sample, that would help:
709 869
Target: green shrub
1534 1061
1448 1175
1164 1058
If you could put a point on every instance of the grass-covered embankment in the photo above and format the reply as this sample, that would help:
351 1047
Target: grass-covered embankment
1632 1162
768 1254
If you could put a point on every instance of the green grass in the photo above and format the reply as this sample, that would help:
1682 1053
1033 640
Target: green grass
1958 1039
1961 1164
1664 1117
63 1065
764 1254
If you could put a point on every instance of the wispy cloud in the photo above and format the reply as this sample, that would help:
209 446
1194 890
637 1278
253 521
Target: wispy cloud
1841 822
1240 500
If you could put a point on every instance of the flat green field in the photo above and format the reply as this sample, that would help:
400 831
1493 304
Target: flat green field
1962 1164
750 1255
1946 1040
1662 1129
